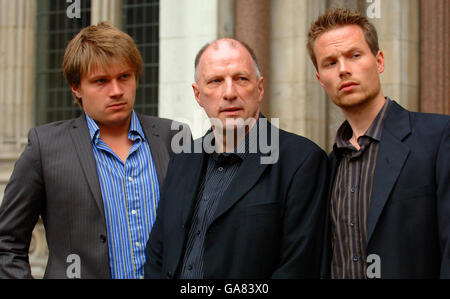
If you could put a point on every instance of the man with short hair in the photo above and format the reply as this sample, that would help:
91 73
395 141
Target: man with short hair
390 192
249 200
94 180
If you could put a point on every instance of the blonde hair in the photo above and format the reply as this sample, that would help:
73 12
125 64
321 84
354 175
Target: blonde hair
96 46
338 17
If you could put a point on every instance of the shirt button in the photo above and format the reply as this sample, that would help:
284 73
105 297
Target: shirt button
352 224
138 244
190 267
133 212
220 168
355 259
130 179
352 190
198 232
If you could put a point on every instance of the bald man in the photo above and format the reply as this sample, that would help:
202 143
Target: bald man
249 199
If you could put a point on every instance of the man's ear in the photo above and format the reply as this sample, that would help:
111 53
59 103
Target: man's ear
196 93
76 91
380 61
318 78
261 88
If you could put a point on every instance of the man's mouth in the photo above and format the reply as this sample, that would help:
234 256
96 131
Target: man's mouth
347 86
231 109
117 106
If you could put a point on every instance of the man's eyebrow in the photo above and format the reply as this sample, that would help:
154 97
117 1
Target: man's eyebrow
95 77
350 50
101 75
353 49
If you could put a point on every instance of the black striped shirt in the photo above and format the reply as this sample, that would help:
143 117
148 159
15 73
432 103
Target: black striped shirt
350 199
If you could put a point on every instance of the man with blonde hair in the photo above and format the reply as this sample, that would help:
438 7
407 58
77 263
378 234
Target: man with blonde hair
94 180
390 169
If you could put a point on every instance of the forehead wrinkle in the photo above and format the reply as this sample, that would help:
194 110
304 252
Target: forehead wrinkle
340 42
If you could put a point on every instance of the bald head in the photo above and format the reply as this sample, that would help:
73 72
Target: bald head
227 42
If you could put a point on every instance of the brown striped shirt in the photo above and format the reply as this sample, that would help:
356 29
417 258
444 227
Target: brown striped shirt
350 197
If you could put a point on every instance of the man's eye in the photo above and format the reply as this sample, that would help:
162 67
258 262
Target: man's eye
243 79
356 55
125 76
100 81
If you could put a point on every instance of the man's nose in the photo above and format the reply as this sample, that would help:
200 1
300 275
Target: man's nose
116 89
230 90
344 69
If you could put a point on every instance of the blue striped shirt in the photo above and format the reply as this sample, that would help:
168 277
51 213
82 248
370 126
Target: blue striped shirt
130 193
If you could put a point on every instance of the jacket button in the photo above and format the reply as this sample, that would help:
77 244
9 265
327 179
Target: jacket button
102 238
169 275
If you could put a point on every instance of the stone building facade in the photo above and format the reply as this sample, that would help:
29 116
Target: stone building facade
414 35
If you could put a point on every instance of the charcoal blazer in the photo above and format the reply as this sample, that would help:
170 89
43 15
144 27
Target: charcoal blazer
269 223
408 221
56 178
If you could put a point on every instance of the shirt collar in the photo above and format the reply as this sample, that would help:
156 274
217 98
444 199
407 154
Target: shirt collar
345 131
135 132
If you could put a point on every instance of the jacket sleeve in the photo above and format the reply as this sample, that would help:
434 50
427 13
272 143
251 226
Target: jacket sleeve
19 211
443 200
304 220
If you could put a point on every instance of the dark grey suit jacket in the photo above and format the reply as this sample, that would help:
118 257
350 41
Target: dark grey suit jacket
56 178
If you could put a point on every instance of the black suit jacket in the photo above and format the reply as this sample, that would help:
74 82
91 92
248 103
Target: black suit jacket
269 222
409 214
56 178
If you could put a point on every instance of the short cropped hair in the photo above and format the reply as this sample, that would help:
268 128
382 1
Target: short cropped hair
96 46
232 43
338 17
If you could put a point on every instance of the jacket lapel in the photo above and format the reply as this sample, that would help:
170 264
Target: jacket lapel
190 183
249 172
82 144
392 155
158 150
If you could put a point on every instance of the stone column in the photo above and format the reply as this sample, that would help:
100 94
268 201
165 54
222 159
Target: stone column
398 34
17 27
295 95
185 27
253 27
435 56
17 58
17 31
106 10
